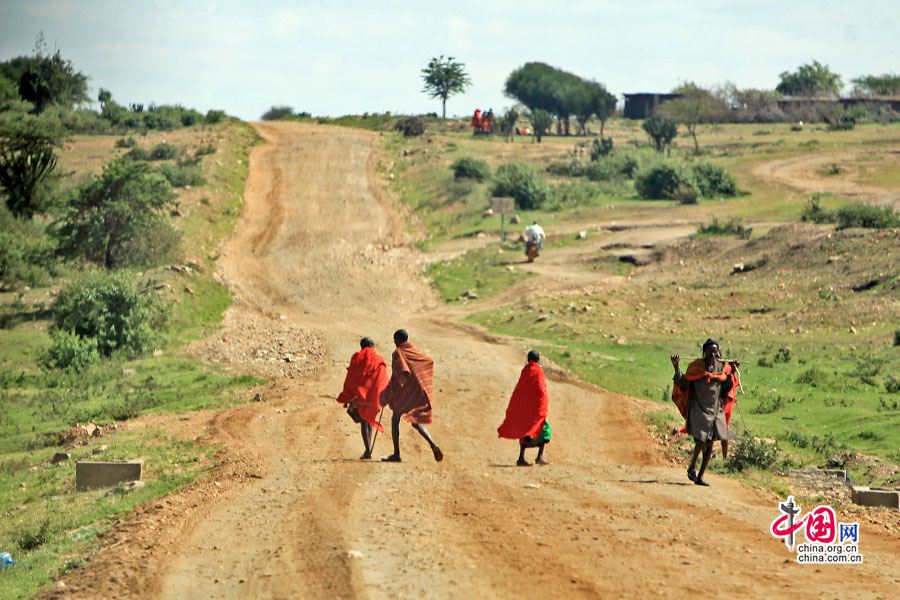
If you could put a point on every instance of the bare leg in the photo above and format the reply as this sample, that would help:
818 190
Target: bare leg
724 449
522 462
540 457
438 455
707 452
366 431
395 436
692 467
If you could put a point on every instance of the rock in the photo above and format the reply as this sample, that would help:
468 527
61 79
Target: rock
737 267
488 212
99 449
469 294
60 457
480 235
354 554
515 219
188 290
541 318
581 235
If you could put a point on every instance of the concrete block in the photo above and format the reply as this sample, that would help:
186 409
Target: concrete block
868 497
93 475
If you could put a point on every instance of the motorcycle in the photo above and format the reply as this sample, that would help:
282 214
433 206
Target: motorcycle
533 251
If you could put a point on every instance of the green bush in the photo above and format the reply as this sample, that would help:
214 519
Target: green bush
410 126
519 181
110 310
182 175
892 385
603 169
471 168
165 151
137 153
214 116
129 143
663 180
601 147
814 213
866 215
712 180
573 168
26 251
70 351
751 452
278 112
730 227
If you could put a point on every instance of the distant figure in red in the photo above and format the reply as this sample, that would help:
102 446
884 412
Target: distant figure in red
526 415
366 379
476 120
409 393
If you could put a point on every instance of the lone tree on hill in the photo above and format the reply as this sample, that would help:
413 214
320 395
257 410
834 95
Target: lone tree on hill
443 78
694 106
814 79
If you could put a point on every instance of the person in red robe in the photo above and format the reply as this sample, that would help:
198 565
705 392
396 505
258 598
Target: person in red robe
526 415
366 378
410 393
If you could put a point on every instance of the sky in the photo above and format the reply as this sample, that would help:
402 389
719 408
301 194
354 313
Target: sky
339 57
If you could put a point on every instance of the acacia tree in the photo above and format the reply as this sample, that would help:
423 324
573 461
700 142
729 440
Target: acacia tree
694 106
877 85
508 123
444 78
814 79
541 121
27 160
661 131
116 220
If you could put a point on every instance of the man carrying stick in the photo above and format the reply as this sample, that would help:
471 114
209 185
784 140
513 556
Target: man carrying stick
409 393
526 415
366 379
706 386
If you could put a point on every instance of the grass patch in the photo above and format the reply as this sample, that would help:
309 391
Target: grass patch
485 272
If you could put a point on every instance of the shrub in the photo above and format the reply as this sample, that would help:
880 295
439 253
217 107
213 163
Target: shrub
603 169
471 168
182 175
573 168
165 151
110 310
686 194
897 337
663 180
866 215
137 153
712 180
410 126
892 385
70 351
278 112
519 181
129 143
752 452
205 149
214 116
26 251
730 227
601 147
814 213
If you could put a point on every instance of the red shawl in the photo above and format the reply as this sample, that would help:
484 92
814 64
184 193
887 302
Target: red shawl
366 379
528 406
412 381
696 371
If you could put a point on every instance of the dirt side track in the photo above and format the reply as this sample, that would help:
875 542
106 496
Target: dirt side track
293 513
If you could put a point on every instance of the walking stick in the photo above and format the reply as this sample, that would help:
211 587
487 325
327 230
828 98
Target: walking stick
379 422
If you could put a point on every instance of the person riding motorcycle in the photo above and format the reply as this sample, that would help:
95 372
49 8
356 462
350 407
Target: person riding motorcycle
534 235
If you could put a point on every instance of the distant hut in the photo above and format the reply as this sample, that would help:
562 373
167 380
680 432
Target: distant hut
641 105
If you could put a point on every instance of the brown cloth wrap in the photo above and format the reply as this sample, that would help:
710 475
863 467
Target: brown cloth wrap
409 392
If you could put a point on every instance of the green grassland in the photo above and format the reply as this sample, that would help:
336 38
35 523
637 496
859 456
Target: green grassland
44 524
812 313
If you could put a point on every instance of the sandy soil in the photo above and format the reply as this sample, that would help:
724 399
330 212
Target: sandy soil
293 513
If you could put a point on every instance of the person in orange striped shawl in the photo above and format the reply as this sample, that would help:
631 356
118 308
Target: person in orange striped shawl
700 394
409 393
366 379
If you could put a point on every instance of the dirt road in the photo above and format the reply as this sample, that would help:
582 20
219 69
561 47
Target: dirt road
293 513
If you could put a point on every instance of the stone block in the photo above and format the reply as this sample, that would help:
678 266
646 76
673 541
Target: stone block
93 475
868 497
